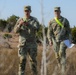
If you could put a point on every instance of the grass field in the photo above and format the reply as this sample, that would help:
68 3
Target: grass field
9 60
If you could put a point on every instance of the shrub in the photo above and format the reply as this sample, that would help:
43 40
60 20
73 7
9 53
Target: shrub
7 36
74 34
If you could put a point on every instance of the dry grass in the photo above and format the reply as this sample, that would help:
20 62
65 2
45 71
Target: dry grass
9 60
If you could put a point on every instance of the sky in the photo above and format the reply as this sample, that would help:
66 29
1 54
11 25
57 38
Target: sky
16 7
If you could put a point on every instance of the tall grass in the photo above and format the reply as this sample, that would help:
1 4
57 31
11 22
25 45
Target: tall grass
9 59
9 62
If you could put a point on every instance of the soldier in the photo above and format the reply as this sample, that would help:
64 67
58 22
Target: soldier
58 31
27 28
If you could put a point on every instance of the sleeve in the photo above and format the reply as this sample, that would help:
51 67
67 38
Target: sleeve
50 32
35 26
17 27
68 29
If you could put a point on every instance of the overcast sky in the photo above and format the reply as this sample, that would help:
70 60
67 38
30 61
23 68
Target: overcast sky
68 9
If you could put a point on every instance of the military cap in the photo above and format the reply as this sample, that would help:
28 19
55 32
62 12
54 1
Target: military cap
57 8
27 8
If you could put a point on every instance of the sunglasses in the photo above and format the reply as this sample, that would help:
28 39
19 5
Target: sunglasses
56 11
26 10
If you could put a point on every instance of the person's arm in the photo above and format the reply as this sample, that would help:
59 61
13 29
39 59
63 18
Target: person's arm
17 27
50 33
68 29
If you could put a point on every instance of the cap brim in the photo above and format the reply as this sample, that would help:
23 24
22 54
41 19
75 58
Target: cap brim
26 9
56 9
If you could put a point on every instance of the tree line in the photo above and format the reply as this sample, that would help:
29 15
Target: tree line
8 26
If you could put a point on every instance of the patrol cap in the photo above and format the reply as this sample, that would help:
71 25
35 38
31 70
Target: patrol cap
57 8
27 8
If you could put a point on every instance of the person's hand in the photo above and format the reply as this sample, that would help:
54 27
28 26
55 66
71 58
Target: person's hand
26 23
21 22
50 43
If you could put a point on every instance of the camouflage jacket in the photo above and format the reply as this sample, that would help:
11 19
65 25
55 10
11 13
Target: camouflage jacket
56 32
27 33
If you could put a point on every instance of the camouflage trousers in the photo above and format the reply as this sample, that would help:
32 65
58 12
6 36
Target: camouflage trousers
32 53
60 53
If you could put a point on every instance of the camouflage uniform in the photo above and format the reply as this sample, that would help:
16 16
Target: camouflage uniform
57 35
27 43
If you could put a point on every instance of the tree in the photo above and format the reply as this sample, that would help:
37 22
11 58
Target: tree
11 22
40 34
3 24
74 34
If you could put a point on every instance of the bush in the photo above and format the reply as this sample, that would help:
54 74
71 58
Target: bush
74 34
7 36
